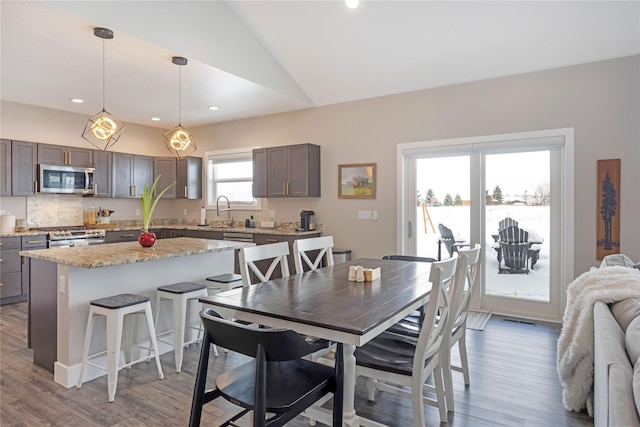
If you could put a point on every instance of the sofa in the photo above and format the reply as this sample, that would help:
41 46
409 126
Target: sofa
616 389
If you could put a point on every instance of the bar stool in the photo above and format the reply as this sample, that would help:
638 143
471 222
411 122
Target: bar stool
115 308
224 282
180 295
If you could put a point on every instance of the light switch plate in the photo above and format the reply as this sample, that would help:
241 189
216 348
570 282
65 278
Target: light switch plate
267 224
364 214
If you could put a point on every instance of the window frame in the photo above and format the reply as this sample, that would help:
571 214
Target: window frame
231 154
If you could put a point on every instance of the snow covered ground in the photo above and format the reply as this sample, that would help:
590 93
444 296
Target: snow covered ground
532 286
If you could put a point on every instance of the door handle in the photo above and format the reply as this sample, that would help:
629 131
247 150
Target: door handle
410 229
186 194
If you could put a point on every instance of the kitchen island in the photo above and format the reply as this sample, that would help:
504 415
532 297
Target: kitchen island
65 280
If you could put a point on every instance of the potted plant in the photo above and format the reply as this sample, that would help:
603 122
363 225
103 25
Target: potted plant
146 238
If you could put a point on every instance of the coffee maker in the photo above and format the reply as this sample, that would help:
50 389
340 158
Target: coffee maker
307 221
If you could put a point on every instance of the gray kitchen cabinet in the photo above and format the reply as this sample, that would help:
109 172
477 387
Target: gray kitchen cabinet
121 236
291 171
130 173
165 167
30 243
11 267
260 172
5 161
14 279
202 234
189 179
70 156
24 156
103 164
170 233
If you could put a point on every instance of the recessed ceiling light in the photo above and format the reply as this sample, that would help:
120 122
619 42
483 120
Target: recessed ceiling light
155 119
76 100
352 4
214 107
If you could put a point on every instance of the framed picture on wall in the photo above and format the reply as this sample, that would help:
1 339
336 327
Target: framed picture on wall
608 209
357 181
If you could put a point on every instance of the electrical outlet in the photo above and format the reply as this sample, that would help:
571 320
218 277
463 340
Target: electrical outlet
62 286
137 212
185 212
364 214
374 215
272 213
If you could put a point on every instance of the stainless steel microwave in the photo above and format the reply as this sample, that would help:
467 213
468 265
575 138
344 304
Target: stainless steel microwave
66 179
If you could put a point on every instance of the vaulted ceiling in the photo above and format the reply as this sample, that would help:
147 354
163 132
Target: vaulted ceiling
253 58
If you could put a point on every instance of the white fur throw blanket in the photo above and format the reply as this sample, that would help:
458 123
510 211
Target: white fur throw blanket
575 345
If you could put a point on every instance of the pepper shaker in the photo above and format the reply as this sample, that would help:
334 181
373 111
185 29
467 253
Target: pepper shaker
360 274
352 273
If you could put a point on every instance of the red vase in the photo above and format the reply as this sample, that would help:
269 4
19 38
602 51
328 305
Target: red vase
147 240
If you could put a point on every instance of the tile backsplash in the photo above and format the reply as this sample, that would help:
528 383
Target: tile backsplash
54 210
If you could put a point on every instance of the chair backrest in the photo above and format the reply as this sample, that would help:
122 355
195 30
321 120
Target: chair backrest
409 258
276 252
432 333
515 255
302 247
513 234
472 261
446 237
279 345
507 222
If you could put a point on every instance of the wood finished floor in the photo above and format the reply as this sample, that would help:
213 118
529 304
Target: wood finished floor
513 383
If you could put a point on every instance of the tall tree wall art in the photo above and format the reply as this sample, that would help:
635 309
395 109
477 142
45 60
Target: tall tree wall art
608 221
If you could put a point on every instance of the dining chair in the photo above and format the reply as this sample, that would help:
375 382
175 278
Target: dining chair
250 260
250 257
277 382
393 362
303 248
450 242
470 257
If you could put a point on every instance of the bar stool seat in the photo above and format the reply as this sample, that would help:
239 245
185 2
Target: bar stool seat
180 295
115 308
224 282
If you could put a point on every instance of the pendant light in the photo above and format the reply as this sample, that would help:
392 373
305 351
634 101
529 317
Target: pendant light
179 140
103 130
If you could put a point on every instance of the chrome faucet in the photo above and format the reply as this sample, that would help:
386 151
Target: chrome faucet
228 209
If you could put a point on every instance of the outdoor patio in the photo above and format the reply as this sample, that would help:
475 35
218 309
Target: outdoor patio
532 286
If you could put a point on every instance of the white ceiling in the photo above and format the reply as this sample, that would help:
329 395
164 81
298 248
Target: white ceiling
254 58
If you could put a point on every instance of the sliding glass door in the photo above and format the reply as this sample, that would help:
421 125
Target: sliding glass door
508 193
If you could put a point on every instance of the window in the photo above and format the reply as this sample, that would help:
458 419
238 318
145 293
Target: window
230 174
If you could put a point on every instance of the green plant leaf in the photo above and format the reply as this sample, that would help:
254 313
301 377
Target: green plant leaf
148 202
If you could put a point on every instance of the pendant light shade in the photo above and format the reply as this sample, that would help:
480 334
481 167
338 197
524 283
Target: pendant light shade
179 140
104 129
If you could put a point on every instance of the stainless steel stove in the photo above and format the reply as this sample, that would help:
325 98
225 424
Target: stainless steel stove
65 237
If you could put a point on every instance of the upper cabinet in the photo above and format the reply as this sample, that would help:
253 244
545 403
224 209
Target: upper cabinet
189 180
59 155
23 168
166 168
103 163
287 171
130 173
5 161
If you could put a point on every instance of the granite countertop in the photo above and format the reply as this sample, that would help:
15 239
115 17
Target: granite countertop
113 254
25 233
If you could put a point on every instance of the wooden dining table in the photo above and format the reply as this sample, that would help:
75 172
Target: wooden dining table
324 304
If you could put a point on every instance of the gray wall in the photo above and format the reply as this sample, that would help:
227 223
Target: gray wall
601 101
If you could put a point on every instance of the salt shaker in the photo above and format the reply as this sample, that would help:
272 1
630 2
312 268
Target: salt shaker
352 273
360 274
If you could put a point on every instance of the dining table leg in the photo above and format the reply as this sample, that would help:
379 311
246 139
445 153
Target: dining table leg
349 418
